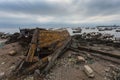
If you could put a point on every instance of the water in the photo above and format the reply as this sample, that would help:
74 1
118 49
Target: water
113 32
84 30
9 30
2 43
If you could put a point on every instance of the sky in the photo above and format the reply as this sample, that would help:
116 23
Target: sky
19 13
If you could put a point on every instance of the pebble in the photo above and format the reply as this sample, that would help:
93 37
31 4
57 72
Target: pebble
29 78
2 63
37 71
12 67
107 69
81 59
12 53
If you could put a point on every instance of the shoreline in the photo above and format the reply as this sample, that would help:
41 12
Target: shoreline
2 40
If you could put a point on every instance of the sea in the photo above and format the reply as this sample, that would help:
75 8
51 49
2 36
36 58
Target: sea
84 30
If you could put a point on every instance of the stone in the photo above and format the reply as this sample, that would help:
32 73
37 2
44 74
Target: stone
2 75
88 70
2 63
72 60
12 53
107 69
37 72
81 59
49 58
29 78
69 56
89 56
12 67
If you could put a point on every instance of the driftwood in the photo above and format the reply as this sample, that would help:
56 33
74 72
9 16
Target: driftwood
56 54
38 65
21 72
99 54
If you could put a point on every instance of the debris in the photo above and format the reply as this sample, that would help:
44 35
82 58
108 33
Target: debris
12 53
112 72
107 69
71 60
99 52
81 59
30 69
118 30
89 56
49 58
70 55
46 46
88 71
29 78
37 72
56 54
77 30
13 38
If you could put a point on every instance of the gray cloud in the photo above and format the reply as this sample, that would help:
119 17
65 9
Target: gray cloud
36 7
100 7
42 7
61 12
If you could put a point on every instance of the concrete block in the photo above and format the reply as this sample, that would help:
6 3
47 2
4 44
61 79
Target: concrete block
88 70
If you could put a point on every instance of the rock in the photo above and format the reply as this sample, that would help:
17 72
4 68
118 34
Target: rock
88 71
12 53
37 75
2 75
2 63
37 72
107 69
70 55
72 60
89 56
12 67
81 59
49 58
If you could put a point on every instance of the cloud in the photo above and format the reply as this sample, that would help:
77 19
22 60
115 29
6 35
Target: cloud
102 7
41 7
36 12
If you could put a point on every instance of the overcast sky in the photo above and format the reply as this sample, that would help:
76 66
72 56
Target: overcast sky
37 12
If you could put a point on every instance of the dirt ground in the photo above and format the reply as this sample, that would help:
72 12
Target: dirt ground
8 62
66 68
